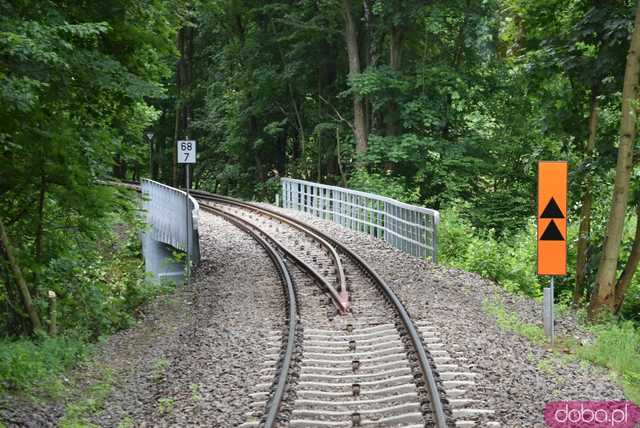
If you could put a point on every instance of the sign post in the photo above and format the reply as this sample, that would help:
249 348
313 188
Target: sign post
552 232
150 137
186 156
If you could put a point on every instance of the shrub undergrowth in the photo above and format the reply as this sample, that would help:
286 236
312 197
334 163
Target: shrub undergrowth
100 285
510 261
36 367
617 347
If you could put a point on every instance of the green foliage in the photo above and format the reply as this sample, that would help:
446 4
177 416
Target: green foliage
94 398
511 322
380 184
100 292
267 190
77 83
100 283
37 367
511 261
617 347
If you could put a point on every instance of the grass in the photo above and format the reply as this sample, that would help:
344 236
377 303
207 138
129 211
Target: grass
166 405
126 422
508 260
510 321
93 400
158 369
36 368
616 346
196 394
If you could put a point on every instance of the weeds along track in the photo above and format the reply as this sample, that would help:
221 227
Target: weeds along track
353 357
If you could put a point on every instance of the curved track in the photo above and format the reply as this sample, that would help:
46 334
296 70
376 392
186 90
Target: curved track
376 374
390 351
281 382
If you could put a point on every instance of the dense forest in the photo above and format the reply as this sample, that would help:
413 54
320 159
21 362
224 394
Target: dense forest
446 104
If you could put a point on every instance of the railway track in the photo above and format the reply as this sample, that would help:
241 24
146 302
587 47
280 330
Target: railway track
350 355
360 360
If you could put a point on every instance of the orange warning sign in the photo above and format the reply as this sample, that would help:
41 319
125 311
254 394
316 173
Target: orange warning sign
552 218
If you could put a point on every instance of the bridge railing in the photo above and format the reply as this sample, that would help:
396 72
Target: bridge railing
407 227
167 217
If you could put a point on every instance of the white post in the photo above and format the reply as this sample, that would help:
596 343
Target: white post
187 200
551 309
548 320
186 150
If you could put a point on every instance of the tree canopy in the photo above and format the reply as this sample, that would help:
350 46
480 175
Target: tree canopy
447 104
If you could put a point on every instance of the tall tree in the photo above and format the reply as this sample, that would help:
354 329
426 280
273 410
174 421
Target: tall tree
630 268
360 131
603 296
8 251
585 208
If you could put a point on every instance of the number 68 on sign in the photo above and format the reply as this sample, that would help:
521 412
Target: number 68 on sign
186 151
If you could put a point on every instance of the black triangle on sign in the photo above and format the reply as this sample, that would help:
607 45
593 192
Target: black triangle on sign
552 210
552 233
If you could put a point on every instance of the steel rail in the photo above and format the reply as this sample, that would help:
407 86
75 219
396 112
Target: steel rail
283 271
305 266
439 416
342 297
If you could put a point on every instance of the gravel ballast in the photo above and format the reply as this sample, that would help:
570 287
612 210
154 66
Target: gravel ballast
516 377
195 357
193 362
204 373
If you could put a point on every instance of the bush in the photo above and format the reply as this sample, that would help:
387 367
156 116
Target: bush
617 347
267 190
510 262
100 284
384 185
28 366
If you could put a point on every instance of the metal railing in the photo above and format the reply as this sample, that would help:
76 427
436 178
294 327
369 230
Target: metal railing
167 217
407 227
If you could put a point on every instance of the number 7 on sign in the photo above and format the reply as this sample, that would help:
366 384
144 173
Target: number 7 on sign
186 151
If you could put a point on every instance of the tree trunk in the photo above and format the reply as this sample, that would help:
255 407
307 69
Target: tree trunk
119 167
159 156
585 210
17 274
39 235
343 177
630 268
15 317
40 220
603 296
392 118
174 150
53 314
253 131
183 82
359 113
301 136
367 58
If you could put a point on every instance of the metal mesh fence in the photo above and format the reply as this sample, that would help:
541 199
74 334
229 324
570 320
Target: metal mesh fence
167 217
407 227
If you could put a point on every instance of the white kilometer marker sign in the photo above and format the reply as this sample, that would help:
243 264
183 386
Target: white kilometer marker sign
186 151
187 155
